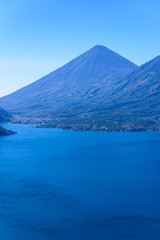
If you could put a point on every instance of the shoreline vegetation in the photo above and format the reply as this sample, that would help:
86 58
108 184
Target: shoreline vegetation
94 125
5 132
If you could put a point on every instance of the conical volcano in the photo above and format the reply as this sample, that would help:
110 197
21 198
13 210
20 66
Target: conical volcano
73 83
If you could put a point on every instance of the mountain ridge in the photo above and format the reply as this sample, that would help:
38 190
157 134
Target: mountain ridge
87 94
89 70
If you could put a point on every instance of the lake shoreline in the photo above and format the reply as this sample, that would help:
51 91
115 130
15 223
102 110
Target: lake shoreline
82 129
94 125
6 132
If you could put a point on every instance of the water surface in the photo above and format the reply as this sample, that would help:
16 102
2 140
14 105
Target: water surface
57 184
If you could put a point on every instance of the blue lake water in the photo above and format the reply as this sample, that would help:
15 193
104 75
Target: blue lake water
65 185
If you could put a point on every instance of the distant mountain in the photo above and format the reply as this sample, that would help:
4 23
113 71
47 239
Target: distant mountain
130 103
99 90
139 92
74 83
141 86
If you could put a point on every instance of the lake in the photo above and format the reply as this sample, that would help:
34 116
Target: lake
57 184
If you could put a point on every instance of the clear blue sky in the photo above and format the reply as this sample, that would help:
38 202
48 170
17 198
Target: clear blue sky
37 36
